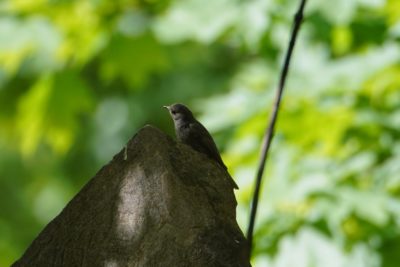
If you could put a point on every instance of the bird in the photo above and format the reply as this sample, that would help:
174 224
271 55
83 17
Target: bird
191 132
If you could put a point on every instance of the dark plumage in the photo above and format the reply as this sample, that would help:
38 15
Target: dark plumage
191 132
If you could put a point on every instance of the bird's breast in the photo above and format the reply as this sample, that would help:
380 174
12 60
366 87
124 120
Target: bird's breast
182 132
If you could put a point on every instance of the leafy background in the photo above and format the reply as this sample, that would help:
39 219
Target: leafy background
79 77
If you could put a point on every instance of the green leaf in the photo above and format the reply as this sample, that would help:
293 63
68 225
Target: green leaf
134 60
49 112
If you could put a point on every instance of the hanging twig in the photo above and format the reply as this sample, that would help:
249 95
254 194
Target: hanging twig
269 133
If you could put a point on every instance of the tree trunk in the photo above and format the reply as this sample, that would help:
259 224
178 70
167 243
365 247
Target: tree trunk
157 203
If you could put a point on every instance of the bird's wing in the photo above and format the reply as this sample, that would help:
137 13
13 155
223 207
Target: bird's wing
205 143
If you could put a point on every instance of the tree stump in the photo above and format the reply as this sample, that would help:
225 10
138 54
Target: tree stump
157 203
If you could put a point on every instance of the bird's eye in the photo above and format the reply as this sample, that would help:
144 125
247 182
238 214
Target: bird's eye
173 112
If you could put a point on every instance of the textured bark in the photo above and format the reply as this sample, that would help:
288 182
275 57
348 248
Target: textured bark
159 203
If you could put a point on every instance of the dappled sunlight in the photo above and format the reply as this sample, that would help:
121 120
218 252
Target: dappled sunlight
131 209
79 77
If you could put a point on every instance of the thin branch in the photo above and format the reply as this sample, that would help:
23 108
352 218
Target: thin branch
269 133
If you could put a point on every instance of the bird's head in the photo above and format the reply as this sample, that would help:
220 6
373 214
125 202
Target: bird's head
179 112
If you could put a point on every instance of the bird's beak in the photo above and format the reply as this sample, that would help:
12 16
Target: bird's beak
167 107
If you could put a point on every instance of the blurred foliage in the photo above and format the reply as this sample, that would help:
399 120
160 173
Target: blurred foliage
79 77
